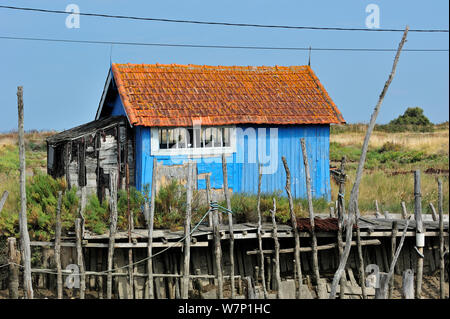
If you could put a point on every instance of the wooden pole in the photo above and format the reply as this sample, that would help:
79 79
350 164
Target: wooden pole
277 250
59 278
419 232
404 211
187 233
80 259
298 267
441 242
3 200
261 254
393 247
230 223
353 202
218 253
377 212
23 224
112 231
13 259
208 197
311 213
340 245
434 215
150 215
408 284
341 220
390 274
361 268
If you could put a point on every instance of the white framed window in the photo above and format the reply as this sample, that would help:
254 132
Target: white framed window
197 140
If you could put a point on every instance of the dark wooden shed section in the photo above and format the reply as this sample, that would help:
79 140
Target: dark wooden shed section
86 155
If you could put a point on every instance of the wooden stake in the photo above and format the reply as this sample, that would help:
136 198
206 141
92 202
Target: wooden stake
13 259
405 214
80 259
340 246
277 250
433 212
393 247
408 284
441 242
112 231
59 278
353 202
311 213
218 253
150 213
230 223
298 265
187 233
208 197
361 268
419 231
3 200
390 274
23 224
341 220
261 254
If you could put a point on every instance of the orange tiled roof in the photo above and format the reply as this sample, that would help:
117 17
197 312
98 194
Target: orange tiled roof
175 95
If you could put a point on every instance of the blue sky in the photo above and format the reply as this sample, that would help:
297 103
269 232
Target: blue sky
63 82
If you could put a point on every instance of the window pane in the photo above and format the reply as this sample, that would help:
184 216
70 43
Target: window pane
217 137
172 138
208 137
190 140
226 136
163 138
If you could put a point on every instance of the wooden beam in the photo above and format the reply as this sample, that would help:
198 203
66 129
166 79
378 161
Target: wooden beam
112 231
59 279
277 250
23 224
298 265
261 255
3 200
369 242
419 232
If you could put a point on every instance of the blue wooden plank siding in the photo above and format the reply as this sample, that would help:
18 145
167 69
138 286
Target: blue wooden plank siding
243 169
271 142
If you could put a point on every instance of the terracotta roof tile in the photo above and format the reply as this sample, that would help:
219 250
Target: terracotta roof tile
173 95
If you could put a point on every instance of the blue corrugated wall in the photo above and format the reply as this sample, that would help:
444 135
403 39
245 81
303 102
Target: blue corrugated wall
243 170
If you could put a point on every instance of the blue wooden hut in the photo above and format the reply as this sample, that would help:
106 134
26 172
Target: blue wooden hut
253 115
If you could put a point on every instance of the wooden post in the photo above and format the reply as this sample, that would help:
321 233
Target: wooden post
434 215
112 231
230 223
393 248
250 289
80 259
361 268
23 224
311 214
150 215
261 254
340 244
408 284
441 242
277 250
298 265
341 220
377 212
187 233
332 214
208 198
218 253
353 202
404 211
3 200
383 286
13 259
419 232
59 277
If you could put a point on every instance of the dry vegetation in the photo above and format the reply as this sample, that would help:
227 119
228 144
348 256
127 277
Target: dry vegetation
391 158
